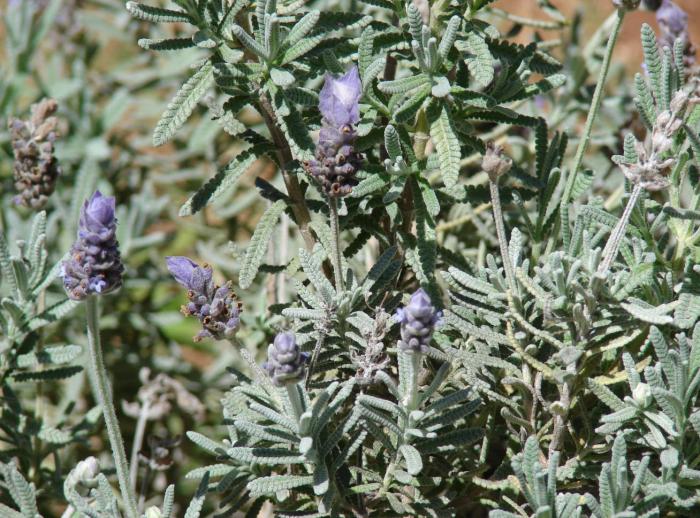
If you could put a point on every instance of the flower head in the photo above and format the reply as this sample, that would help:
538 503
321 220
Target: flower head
36 168
216 307
335 161
672 19
339 99
83 476
418 320
285 363
673 22
95 265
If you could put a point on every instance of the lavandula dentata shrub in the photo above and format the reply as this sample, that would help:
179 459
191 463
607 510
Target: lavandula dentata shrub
413 107
468 269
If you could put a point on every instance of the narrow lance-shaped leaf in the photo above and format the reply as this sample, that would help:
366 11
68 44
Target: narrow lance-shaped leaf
480 64
183 104
156 14
447 147
258 244
196 504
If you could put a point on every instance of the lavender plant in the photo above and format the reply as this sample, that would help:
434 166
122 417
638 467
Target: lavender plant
411 295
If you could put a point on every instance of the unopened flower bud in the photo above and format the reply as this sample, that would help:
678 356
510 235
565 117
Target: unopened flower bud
418 320
642 395
83 476
87 469
285 364
153 512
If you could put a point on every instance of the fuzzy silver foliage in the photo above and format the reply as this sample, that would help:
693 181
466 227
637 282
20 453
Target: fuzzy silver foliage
469 263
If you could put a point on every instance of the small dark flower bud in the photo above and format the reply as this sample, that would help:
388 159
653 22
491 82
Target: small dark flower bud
418 320
217 308
495 162
285 364
35 167
94 265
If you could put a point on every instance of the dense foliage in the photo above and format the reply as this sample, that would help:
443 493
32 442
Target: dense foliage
423 269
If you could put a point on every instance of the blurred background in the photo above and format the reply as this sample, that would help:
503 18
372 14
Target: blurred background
628 50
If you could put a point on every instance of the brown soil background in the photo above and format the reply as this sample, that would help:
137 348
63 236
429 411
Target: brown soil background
628 49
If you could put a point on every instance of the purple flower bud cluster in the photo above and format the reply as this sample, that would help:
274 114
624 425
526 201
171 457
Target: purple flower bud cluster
673 22
285 364
418 320
336 162
95 265
216 307
36 168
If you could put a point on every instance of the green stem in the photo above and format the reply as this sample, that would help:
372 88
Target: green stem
103 394
301 213
138 442
501 234
314 356
335 244
595 107
409 402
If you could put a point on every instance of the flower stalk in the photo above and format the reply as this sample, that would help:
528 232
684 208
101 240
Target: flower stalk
335 245
495 163
613 244
595 107
103 394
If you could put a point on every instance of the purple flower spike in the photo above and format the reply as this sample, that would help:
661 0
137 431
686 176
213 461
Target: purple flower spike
672 18
95 265
418 320
673 22
217 308
336 160
339 99
285 364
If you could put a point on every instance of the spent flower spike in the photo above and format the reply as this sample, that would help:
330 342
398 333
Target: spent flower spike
285 364
216 307
36 168
495 162
94 265
418 320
